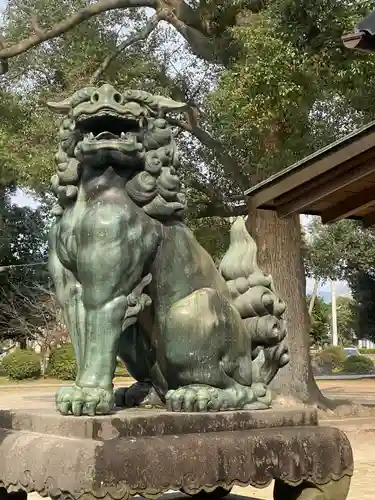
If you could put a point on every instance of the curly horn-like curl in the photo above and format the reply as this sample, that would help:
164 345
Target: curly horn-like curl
158 102
67 104
164 104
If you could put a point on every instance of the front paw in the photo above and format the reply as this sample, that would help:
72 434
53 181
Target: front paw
84 401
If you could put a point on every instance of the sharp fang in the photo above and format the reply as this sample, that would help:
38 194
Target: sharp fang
122 136
91 135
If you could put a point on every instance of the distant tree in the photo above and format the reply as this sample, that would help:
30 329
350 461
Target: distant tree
362 285
338 251
23 254
346 251
320 322
346 319
32 313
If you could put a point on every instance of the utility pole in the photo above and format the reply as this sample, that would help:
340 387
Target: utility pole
313 296
335 339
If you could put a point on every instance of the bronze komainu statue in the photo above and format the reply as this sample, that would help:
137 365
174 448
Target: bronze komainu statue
134 283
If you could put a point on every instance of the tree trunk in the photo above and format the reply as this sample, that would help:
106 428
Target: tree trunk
44 357
23 343
279 253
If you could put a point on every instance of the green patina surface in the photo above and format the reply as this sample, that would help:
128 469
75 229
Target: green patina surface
134 282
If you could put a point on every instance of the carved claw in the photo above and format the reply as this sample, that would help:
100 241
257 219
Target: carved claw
84 400
267 362
137 301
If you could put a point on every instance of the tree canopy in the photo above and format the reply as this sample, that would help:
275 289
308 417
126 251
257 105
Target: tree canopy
338 251
289 86
23 273
267 82
346 251
320 322
363 291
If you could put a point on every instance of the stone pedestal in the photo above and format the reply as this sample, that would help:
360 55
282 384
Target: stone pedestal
149 452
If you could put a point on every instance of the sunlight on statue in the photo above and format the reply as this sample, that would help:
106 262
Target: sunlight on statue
134 283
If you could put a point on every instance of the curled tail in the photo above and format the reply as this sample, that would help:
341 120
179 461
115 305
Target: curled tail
254 295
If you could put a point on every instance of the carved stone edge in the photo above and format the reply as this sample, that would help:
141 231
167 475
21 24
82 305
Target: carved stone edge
125 493
89 489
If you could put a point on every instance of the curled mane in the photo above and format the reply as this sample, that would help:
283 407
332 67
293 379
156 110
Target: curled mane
157 188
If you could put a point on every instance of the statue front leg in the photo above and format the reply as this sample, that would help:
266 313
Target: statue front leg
110 271
68 294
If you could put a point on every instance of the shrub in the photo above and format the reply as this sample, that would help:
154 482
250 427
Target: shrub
62 363
21 364
2 371
359 364
330 359
362 350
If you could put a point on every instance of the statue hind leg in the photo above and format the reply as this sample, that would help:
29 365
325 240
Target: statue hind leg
138 356
109 267
209 356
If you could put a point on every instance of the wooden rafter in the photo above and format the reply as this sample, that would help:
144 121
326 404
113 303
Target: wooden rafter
359 41
350 206
369 219
322 187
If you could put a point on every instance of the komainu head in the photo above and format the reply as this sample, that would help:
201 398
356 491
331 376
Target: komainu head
126 130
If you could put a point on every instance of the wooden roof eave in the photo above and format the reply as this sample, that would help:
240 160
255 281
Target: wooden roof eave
363 39
359 41
321 175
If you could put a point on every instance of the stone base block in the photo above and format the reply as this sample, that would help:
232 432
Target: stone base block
149 452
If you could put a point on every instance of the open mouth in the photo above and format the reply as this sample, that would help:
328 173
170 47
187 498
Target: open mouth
109 136
108 125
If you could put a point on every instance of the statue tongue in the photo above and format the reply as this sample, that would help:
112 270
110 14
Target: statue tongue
106 135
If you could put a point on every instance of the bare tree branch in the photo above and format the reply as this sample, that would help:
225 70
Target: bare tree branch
204 187
190 22
217 210
134 38
39 35
193 25
30 312
191 125
4 350
229 163
200 44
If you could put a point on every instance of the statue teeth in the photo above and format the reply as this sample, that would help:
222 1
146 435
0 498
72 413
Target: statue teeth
91 135
122 136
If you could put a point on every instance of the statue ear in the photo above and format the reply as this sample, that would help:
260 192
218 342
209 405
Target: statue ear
164 104
62 107
81 95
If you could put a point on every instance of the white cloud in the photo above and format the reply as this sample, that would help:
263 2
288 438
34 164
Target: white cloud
324 290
